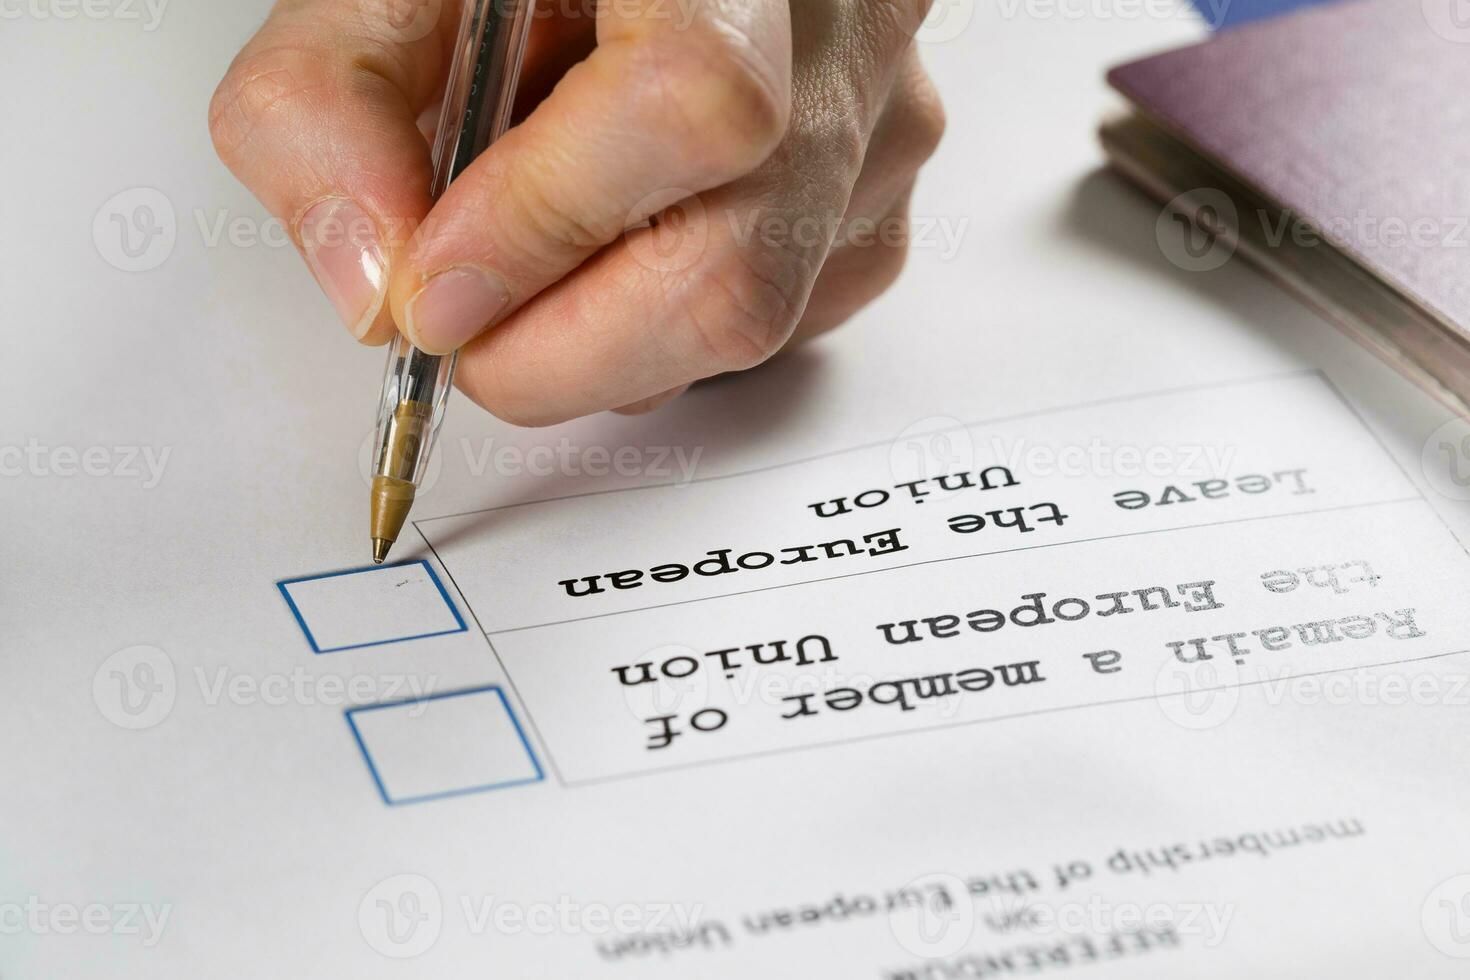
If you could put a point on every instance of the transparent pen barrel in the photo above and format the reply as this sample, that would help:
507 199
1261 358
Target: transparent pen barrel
415 388
479 99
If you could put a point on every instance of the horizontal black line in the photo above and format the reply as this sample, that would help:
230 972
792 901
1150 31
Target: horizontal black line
979 554
980 721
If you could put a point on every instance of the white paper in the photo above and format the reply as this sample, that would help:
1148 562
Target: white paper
227 759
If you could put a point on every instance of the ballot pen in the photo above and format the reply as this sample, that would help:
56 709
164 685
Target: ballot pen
478 101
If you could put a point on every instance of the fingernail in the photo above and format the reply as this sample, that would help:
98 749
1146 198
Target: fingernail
343 250
454 306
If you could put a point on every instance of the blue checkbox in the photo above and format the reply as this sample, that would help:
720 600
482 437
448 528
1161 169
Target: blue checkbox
444 745
365 607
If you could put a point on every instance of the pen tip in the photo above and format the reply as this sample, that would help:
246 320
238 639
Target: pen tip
380 549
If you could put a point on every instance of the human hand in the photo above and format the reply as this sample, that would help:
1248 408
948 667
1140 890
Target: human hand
694 185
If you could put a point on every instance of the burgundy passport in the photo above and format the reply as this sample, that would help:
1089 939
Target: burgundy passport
1345 129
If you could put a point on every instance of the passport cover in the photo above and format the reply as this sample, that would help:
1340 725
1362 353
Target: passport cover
1353 117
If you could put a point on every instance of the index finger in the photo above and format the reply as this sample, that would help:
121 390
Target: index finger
317 116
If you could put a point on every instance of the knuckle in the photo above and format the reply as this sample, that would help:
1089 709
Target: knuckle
927 117
252 98
843 145
550 218
755 299
732 110
825 155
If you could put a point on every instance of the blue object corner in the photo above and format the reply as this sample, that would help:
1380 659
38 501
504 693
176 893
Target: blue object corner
461 627
1220 14
378 779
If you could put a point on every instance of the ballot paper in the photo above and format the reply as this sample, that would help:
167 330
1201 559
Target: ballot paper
1072 611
